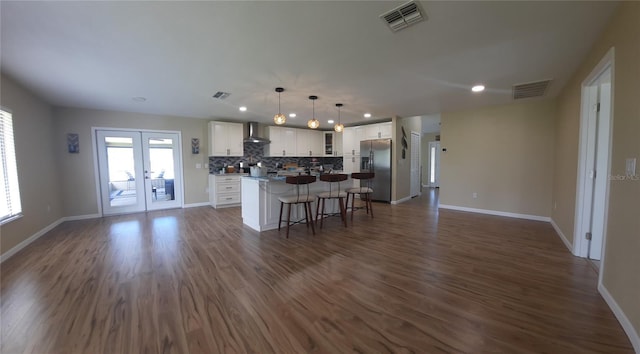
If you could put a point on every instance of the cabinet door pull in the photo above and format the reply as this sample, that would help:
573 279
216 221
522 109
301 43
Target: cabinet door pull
353 152
283 152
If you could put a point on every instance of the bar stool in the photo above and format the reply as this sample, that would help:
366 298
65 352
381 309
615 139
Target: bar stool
334 193
362 191
298 198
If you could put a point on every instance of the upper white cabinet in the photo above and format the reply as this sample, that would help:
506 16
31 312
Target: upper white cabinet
225 139
309 142
283 141
351 138
378 131
332 142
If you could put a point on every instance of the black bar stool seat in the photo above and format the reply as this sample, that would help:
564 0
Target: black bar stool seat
334 192
303 197
364 191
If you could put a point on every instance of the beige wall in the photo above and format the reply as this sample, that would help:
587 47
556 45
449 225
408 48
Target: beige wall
401 168
622 248
37 167
78 185
426 138
502 153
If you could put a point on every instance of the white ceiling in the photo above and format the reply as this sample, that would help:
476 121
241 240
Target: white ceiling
178 54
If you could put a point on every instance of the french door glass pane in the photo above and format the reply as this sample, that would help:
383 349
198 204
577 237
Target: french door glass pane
162 169
122 175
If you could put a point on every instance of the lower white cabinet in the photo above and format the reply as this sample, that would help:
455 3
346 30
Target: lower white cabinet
224 190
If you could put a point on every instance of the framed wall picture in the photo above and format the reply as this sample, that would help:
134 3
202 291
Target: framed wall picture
195 146
73 143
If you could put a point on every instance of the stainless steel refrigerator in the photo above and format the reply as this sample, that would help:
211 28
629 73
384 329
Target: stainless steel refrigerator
375 156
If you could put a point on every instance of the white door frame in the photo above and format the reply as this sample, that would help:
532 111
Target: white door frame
96 170
413 169
584 186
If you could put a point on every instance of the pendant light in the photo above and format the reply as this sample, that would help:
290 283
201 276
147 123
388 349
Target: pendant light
339 127
279 118
313 123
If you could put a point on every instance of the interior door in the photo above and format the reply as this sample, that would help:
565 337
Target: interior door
121 172
161 153
139 171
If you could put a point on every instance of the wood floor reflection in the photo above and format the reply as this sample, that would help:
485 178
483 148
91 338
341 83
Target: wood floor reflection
414 279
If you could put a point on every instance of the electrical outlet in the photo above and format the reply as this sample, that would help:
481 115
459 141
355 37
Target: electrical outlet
475 195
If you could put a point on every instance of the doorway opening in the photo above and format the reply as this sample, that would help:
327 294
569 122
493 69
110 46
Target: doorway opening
138 170
415 187
434 165
592 197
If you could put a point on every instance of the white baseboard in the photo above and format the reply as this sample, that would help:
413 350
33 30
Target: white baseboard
631 332
81 217
400 200
29 240
195 205
495 212
562 236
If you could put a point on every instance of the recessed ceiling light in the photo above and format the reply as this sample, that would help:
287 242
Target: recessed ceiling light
292 115
139 99
243 109
477 88
367 115
330 121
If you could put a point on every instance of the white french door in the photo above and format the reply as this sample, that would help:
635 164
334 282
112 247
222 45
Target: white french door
139 171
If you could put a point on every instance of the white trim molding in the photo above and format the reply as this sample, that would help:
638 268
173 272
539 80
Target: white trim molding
195 205
496 212
622 318
562 236
81 217
402 200
26 242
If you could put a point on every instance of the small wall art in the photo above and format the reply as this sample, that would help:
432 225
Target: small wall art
73 143
405 146
195 146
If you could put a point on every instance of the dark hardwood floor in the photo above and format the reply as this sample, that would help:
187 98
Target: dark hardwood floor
412 280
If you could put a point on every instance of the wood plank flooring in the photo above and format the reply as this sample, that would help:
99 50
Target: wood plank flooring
412 280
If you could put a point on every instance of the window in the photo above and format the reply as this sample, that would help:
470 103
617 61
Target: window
10 207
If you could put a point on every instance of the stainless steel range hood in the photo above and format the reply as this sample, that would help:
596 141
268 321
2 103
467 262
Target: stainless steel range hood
252 134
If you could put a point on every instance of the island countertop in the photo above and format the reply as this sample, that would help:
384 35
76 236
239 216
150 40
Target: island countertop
260 204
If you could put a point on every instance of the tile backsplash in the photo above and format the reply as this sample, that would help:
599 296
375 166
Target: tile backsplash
255 153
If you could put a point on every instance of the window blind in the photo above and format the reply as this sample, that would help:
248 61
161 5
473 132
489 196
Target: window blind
10 206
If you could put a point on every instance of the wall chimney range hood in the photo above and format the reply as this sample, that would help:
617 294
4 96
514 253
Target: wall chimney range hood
252 134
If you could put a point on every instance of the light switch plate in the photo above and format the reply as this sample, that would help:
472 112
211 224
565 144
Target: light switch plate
631 166
198 165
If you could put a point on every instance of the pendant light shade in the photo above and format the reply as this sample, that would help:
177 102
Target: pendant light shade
313 123
339 127
279 118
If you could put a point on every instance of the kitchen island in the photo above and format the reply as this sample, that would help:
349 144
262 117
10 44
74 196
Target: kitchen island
261 207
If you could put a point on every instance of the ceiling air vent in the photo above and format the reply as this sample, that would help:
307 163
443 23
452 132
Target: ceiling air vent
221 95
403 16
530 90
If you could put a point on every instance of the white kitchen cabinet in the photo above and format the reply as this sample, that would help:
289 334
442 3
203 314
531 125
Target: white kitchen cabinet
224 190
225 139
308 143
350 164
351 138
332 143
283 142
378 131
